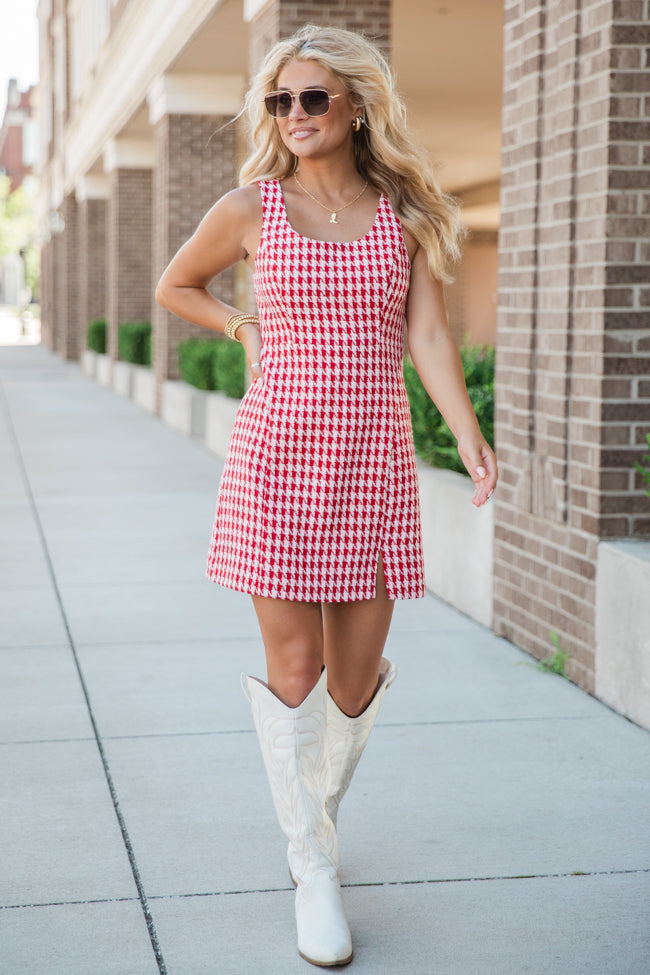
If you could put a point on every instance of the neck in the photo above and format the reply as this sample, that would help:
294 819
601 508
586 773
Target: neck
336 179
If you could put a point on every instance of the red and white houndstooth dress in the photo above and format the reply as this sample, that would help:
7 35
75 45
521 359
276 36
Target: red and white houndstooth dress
320 477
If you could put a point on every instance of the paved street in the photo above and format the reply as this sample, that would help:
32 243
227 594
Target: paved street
498 824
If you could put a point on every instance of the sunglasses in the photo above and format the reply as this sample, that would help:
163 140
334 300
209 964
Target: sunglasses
313 101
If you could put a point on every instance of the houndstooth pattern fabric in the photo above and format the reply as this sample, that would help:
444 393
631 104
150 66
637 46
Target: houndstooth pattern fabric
320 477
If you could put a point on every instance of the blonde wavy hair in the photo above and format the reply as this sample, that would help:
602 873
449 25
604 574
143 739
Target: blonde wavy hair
385 152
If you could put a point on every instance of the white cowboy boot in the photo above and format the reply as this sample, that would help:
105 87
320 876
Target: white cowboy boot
347 737
294 748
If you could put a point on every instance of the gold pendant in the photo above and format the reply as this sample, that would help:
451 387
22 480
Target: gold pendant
333 217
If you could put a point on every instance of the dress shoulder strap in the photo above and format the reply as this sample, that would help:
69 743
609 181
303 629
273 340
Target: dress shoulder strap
272 205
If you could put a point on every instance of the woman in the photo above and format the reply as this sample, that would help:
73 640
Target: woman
348 235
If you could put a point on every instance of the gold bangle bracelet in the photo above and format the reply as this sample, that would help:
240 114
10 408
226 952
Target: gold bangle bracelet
234 323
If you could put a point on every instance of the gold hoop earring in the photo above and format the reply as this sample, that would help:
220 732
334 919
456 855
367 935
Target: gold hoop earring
357 123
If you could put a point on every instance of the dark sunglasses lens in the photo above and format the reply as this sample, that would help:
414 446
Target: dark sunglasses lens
278 104
315 102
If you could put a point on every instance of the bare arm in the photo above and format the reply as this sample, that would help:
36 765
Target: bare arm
228 233
439 366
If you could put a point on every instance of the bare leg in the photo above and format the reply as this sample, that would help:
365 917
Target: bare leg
354 638
293 640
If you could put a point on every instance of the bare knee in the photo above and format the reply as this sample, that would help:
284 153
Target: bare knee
295 675
293 641
352 698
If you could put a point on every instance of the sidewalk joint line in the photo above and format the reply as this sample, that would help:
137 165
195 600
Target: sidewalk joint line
568 875
109 778
512 720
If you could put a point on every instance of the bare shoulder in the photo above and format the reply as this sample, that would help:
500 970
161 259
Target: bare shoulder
242 205
236 216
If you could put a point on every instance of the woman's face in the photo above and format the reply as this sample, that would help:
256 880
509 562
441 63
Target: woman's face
315 136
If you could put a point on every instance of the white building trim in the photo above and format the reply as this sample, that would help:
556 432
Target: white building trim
93 188
195 94
252 8
129 154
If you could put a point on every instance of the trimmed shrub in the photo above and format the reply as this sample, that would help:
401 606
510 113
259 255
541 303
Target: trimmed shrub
196 362
213 364
134 342
229 369
96 335
434 441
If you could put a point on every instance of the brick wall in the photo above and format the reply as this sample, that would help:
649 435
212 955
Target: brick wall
572 330
280 18
129 236
92 263
195 165
625 415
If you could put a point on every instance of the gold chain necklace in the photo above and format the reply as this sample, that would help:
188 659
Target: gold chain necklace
332 213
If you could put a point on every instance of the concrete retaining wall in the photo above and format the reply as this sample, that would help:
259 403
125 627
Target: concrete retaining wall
458 542
219 420
623 628
144 388
183 407
123 378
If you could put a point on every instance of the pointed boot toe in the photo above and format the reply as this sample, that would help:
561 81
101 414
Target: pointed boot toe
323 933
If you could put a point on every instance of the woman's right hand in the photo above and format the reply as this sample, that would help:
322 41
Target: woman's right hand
251 338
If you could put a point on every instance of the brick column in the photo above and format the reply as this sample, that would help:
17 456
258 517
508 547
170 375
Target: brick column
196 163
65 282
129 229
46 294
274 19
92 197
573 398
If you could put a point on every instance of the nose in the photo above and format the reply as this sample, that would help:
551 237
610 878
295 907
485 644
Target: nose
297 111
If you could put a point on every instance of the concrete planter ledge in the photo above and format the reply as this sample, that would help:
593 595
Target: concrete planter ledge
89 363
458 542
183 407
143 389
623 627
219 421
103 369
123 378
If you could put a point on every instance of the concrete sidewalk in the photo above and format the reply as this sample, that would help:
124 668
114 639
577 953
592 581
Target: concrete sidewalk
497 825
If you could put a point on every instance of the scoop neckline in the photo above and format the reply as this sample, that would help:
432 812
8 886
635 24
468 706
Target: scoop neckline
317 240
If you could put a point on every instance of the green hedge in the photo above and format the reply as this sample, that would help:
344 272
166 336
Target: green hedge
134 342
96 335
434 441
229 369
216 364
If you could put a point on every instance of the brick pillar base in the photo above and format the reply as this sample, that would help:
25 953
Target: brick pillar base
129 250
573 397
195 165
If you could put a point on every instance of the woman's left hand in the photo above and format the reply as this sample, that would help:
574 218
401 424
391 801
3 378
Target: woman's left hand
250 337
481 463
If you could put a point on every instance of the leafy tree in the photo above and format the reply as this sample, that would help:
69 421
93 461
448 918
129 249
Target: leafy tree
17 228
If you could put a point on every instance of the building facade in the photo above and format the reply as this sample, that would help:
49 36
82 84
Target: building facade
537 112
18 141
